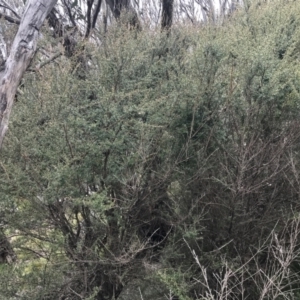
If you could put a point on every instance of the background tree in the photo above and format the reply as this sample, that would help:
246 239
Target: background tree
167 14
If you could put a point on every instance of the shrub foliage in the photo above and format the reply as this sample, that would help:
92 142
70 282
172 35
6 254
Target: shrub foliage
173 161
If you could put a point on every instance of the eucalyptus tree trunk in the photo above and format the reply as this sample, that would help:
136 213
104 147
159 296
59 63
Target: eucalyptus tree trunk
119 6
21 54
167 14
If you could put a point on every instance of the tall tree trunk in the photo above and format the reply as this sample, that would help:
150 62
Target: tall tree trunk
167 14
119 6
21 54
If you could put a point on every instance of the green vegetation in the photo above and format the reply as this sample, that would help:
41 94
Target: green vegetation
172 166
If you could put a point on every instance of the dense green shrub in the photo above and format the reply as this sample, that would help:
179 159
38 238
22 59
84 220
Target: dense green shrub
174 159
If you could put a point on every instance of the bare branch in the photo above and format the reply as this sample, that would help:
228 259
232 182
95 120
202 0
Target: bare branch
70 14
88 15
46 62
9 19
96 13
5 5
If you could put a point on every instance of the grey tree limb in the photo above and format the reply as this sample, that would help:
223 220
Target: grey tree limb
21 54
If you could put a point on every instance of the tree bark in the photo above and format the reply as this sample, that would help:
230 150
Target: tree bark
21 54
167 14
119 6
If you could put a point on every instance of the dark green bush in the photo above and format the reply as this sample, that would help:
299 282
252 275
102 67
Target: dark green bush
176 158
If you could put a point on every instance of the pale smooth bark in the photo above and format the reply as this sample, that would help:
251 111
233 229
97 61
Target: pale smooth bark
21 54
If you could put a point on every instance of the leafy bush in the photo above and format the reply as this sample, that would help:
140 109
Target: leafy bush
175 158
